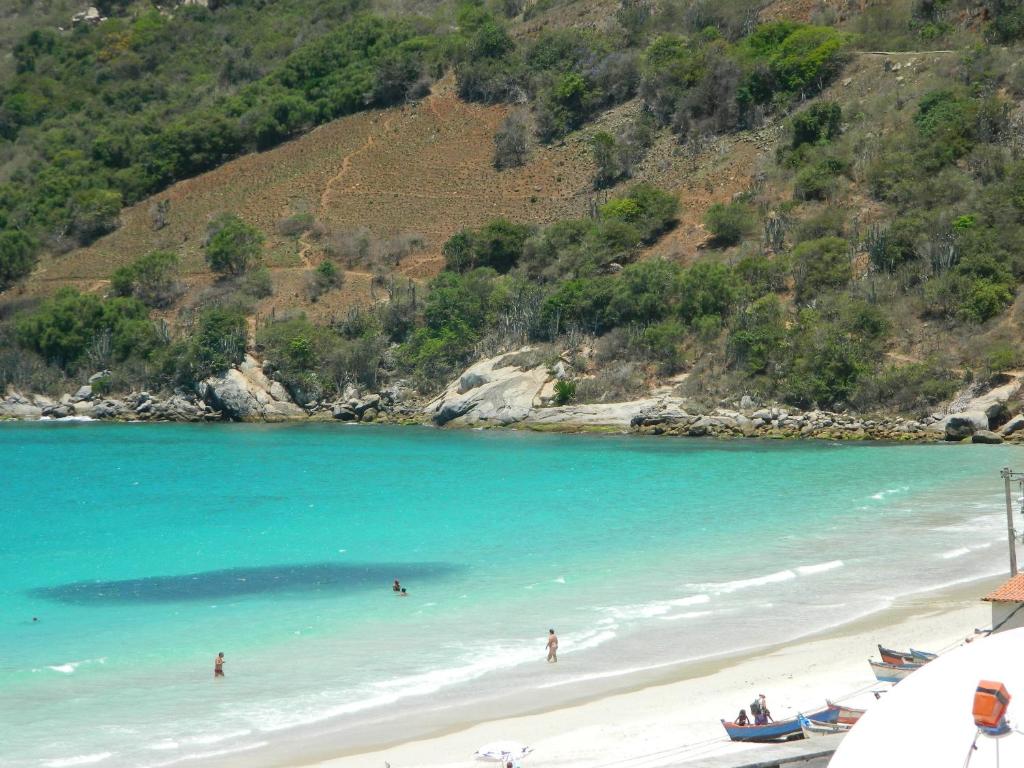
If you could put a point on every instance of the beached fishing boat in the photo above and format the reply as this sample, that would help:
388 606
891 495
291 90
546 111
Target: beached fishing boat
782 730
891 673
890 656
847 715
813 729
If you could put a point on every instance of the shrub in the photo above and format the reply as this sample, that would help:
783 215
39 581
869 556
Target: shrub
66 326
563 105
890 249
257 283
232 246
1007 21
510 142
642 292
706 289
498 245
93 213
295 225
832 348
217 343
818 124
607 160
821 265
648 209
661 341
829 222
757 335
911 388
728 223
17 256
565 391
817 181
324 278
152 278
614 383
763 275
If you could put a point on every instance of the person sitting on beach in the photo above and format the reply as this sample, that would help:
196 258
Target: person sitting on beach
396 587
218 665
742 718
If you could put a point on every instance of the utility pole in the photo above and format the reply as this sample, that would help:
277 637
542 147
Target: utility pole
1008 475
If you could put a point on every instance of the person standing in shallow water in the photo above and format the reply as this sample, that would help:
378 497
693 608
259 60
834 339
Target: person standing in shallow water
218 665
552 646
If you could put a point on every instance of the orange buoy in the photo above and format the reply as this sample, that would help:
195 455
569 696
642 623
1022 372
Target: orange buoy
990 702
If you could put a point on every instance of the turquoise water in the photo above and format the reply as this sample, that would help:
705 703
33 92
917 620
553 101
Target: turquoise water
145 549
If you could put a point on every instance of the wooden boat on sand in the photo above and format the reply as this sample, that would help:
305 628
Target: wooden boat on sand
892 673
913 656
847 715
781 730
813 729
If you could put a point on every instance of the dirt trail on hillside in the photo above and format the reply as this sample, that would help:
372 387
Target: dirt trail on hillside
305 246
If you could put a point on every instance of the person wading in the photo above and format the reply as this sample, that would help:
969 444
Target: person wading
552 646
218 665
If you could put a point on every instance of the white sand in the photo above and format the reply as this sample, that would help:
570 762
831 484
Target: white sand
679 721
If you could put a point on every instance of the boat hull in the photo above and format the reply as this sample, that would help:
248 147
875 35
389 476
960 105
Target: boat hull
813 729
890 656
847 715
892 673
783 730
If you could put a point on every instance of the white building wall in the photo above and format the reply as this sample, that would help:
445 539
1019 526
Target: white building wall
1001 610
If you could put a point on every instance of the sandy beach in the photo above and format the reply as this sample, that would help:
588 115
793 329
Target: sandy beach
676 721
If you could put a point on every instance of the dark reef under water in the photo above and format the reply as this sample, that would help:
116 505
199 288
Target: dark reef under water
239 582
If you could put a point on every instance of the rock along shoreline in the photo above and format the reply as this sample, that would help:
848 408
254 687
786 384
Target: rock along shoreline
498 393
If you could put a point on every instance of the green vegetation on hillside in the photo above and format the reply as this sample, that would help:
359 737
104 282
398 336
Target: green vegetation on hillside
874 222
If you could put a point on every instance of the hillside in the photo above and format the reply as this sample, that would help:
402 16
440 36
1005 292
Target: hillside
794 269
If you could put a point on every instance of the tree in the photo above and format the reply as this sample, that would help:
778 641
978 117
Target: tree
707 289
510 142
498 244
607 159
64 327
17 256
232 246
151 278
728 223
92 213
820 265
217 343
818 124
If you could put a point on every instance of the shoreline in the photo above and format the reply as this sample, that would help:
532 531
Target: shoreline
854 433
506 392
673 712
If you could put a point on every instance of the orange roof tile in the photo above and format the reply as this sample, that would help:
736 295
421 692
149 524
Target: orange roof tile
1011 591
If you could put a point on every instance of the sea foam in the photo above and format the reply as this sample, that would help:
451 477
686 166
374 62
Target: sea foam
66 762
808 570
725 587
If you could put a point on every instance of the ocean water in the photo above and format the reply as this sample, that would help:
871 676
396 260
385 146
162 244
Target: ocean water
144 550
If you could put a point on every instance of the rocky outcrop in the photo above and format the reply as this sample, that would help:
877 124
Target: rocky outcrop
1013 426
958 426
986 436
17 406
246 394
489 393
